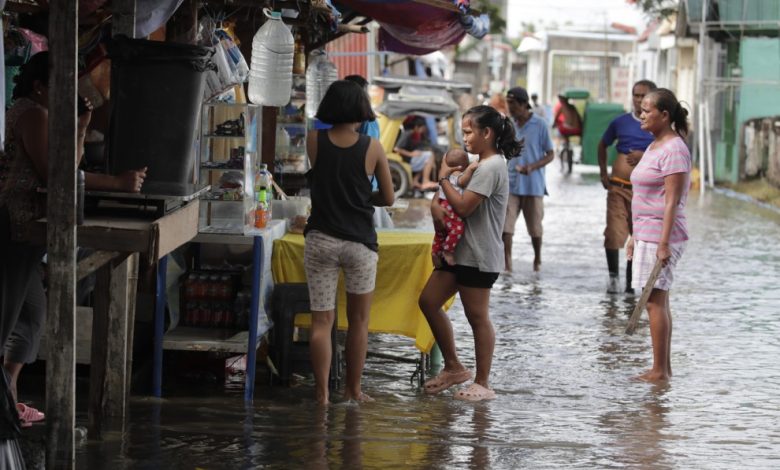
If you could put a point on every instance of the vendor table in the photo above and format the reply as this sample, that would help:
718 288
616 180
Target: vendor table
118 241
207 339
403 270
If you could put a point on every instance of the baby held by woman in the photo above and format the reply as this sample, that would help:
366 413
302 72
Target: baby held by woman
445 241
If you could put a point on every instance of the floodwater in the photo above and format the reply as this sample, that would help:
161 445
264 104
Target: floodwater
562 371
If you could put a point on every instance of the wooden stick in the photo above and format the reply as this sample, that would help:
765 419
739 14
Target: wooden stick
282 194
352 28
640 306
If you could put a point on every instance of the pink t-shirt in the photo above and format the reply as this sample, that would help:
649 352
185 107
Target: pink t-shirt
647 205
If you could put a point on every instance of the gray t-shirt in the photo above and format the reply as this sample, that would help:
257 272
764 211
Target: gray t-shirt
481 246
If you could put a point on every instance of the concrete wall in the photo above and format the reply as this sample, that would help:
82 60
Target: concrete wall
760 152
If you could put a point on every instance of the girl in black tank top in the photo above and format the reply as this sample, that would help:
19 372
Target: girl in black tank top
341 192
340 235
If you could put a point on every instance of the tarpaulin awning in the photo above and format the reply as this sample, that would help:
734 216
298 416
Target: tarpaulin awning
414 27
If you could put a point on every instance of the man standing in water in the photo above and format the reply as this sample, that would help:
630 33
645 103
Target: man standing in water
527 185
631 144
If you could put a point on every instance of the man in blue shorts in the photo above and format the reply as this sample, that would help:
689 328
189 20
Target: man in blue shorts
631 144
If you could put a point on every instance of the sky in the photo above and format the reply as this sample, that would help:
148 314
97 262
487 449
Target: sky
584 14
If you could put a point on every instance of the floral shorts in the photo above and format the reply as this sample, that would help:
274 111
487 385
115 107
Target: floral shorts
644 260
324 256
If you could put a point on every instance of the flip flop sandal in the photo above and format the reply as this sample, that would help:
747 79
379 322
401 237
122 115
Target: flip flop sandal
445 380
475 392
28 415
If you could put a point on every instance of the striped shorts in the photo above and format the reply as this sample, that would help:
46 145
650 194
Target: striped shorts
644 260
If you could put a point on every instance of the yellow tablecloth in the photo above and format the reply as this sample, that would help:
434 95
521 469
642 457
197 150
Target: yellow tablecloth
403 269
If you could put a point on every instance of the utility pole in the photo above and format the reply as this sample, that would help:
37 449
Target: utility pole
607 67
700 97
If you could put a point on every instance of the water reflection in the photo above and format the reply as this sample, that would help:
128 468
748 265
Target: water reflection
638 435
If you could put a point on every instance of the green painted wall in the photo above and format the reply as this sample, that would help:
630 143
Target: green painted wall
757 59
760 60
726 165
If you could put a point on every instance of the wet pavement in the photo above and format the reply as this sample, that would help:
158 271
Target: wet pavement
562 371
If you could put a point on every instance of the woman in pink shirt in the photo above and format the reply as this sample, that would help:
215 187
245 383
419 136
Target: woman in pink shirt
660 182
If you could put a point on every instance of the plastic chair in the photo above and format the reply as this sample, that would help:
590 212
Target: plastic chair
288 300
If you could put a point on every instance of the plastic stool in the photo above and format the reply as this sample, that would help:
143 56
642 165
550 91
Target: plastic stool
288 300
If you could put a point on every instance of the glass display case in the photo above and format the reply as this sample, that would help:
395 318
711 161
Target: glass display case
229 149
291 124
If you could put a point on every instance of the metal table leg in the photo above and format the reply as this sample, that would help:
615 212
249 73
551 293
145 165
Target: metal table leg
257 280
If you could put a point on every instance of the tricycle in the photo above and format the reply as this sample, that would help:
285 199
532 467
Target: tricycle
405 96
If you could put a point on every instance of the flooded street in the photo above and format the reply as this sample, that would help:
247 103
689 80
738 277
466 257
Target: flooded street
562 371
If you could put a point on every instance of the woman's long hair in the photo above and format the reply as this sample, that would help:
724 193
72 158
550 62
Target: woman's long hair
487 117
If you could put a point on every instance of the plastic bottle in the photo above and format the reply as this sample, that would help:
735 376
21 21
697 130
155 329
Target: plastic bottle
201 287
237 305
205 313
190 287
263 196
239 311
320 74
225 287
270 77
262 214
216 314
282 144
299 57
213 290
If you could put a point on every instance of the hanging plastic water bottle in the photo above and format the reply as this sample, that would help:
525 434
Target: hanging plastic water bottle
270 77
320 74
282 144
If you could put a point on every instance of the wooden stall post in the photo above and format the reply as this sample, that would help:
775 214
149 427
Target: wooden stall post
111 351
124 23
114 313
61 237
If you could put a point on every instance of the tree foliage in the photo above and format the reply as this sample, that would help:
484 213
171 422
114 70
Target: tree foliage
497 22
657 8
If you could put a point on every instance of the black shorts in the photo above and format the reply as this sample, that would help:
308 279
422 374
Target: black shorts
469 276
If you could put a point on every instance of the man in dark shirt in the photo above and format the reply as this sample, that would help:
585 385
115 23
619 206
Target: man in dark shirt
631 144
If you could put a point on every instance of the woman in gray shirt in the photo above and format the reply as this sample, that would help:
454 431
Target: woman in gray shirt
479 256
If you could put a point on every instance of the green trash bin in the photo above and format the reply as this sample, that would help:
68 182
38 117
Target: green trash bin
596 120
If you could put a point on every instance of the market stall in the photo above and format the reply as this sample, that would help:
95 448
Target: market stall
232 137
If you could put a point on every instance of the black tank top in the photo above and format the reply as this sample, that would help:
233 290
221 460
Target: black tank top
341 192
